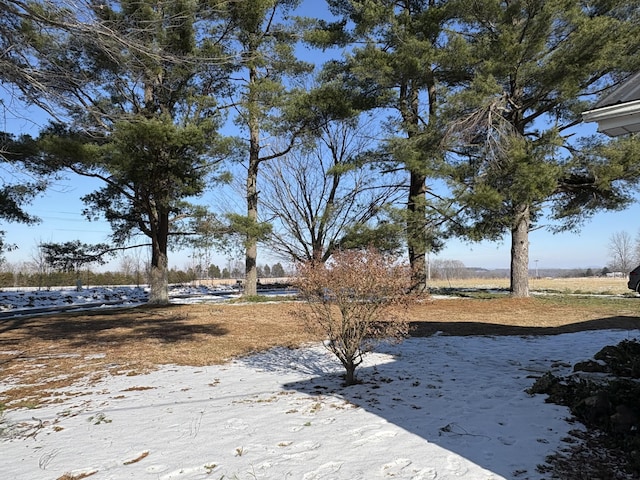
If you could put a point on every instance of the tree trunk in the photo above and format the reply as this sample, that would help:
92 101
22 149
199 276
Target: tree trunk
416 238
251 253
251 276
159 281
409 105
350 374
520 252
159 275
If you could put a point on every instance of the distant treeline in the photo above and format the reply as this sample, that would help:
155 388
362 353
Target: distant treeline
18 277
440 270
542 272
85 278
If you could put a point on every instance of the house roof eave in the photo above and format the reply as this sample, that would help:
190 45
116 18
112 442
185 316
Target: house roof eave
627 91
616 119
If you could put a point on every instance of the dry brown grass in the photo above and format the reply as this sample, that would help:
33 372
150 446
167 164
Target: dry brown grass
68 476
38 355
41 354
523 316
599 285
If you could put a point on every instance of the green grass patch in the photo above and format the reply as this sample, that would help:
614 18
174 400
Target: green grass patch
588 300
263 299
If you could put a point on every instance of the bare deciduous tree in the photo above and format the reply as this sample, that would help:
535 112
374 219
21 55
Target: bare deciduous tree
448 269
313 196
132 264
621 252
39 263
350 300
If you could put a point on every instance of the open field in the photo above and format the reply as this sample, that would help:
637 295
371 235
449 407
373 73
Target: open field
597 285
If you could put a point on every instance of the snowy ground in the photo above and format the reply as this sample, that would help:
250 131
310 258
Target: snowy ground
430 408
16 301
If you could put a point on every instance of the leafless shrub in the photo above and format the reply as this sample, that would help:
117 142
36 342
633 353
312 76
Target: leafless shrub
354 300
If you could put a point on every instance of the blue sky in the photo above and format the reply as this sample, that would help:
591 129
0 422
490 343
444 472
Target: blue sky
60 210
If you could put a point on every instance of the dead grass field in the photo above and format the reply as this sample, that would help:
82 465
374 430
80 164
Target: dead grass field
597 285
42 353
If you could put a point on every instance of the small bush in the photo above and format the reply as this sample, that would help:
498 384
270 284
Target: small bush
351 300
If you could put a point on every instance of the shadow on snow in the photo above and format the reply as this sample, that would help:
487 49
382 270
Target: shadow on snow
482 421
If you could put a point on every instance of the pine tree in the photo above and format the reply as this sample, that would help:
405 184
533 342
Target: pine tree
538 66
262 43
277 270
402 57
144 123
21 182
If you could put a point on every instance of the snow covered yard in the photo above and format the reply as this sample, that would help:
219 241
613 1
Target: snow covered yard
438 407
434 407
